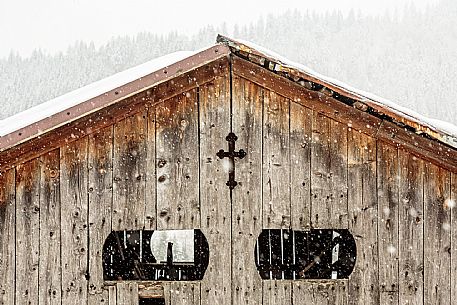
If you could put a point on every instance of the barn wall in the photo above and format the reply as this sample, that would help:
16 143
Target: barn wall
394 203
157 169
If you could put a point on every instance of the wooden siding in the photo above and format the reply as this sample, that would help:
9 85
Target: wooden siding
363 217
247 198
100 179
7 237
214 113
28 232
156 168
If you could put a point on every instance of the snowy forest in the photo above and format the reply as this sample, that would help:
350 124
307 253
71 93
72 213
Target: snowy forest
409 58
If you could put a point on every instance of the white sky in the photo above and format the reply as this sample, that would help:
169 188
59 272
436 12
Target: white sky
53 25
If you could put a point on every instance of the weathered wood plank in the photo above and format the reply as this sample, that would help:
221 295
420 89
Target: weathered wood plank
214 103
328 173
247 196
388 188
177 168
127 293
411 229
363 218
50 204
27 232
129 165
321 205
300 181
437 254
277 292
276 163
321 292
177 162
339 174
74 215
100 165
185 293
112 295
7 237
329 206
151 177
276 181
300 166
452 204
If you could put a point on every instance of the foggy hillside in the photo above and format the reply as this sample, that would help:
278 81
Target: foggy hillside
410 59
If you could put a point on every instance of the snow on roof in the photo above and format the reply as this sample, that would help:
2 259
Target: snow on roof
45 110
73 98
434 124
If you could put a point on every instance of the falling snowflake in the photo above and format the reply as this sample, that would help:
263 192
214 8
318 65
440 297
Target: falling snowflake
391 249
227 165
449 203
413 212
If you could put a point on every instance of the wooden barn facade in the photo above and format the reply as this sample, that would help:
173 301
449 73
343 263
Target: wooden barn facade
227 176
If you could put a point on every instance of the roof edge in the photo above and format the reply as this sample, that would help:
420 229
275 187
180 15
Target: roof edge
110 97
311 80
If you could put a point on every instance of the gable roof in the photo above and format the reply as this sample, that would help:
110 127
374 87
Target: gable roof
77 104
78 96
69 107
442 131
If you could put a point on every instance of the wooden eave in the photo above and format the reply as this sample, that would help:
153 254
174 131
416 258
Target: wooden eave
101 111
92 105
344 105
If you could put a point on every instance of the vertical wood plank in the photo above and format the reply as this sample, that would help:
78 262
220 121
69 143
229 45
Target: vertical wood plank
276 169
276 182
247 196
300 181
100 178
339 174
363 217
452 205
321 292
49 264
388 188
300 166
177 162
129 164
214 103
177 167
7 237
321 206
112 295
275 291
127 293
437 236
74 216
329 173
27 232
151 178
411 229
329 206
185 293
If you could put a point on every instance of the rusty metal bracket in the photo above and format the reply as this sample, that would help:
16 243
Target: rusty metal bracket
231 155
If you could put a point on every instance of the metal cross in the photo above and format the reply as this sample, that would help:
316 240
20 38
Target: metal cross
231 154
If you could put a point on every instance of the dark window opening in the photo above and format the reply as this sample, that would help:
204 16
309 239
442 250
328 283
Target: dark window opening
170 255
315 254
154 301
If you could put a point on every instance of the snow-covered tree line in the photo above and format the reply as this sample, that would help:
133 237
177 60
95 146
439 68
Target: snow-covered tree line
410 59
